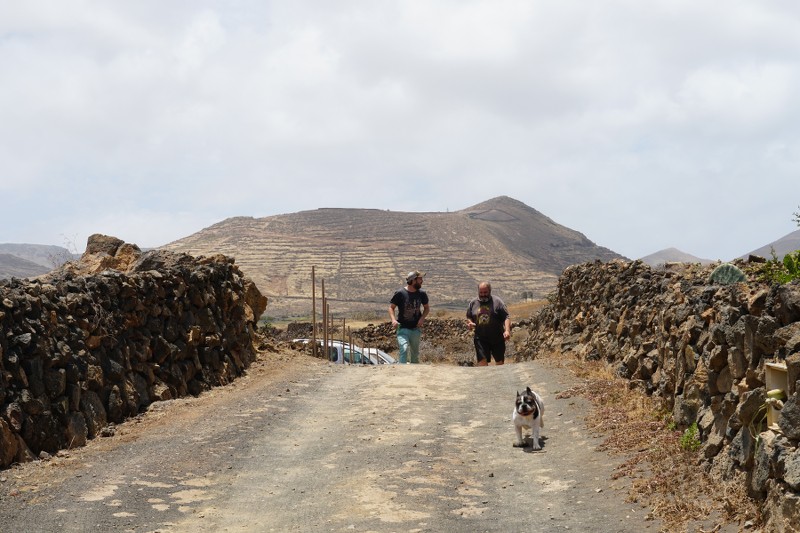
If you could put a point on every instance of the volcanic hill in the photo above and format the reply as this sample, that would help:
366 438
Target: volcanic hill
363 255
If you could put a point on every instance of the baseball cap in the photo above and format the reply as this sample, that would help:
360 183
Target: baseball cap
414 275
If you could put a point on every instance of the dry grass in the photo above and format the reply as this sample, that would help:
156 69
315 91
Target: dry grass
526 309
664 476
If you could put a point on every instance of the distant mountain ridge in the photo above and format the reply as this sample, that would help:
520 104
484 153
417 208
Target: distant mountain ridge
673 255
364 254
12 266
29 260
788 243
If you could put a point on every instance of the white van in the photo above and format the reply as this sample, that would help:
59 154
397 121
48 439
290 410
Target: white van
380 355
344 353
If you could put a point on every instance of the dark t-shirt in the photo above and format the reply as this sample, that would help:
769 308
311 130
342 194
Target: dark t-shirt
489 317
409 306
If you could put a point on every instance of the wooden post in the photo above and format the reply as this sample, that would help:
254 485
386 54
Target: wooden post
344 343
329 323
350 340
324 323
313 311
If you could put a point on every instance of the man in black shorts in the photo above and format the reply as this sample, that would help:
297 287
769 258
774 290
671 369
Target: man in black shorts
488 317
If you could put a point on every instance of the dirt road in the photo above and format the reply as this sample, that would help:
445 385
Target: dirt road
301 445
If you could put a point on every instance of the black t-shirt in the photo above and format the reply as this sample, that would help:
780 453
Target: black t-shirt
409 306
489 317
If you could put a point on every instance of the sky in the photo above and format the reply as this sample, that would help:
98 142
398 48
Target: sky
642 125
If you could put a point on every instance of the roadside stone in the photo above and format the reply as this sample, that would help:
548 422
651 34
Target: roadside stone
792 469
76 432
725 381
713 444
749 405
705 419
94 413
8 443
789 418
761 465
686 407
784 510
14 416
792 372
24 454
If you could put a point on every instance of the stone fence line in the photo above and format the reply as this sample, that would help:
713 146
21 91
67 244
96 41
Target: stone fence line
712 352
98 340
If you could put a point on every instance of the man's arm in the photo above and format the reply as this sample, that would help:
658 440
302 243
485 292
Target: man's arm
425 310
470 318
503 311
392 318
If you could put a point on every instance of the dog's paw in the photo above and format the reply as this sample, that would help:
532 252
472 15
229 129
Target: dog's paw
519 445
536 447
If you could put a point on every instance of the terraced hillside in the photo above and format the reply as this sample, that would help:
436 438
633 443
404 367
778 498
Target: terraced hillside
364 254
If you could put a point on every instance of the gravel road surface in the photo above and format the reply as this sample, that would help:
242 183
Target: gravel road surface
303 445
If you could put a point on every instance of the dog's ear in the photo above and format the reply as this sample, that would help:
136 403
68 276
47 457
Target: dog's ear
528 390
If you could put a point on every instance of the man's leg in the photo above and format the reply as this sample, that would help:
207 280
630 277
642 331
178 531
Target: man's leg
499 352
481 353
413 344
402 345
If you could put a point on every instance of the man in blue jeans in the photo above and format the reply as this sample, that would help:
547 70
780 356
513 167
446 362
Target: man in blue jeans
407 311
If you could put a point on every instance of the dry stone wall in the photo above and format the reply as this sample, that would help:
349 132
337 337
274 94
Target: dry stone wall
100 339
703 348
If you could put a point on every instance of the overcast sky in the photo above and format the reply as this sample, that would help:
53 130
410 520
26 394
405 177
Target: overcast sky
643 125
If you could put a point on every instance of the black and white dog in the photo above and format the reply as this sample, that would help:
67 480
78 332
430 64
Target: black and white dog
528 414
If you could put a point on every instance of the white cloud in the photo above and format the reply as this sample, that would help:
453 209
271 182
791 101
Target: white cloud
643 125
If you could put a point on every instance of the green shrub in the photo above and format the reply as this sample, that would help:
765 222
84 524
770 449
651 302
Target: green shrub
781 271
690 440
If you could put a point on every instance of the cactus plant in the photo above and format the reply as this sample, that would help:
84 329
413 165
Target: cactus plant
726 273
